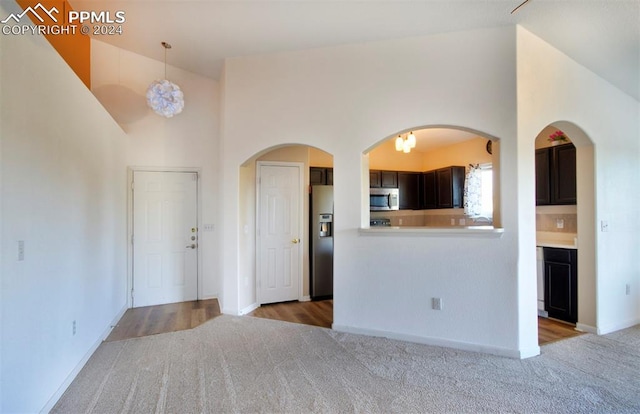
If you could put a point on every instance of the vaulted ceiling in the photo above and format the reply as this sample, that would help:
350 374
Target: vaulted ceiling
602 35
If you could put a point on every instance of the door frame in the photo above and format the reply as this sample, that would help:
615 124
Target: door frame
301 217
130 171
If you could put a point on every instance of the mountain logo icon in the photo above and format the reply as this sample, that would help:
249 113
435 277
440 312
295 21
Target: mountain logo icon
34 12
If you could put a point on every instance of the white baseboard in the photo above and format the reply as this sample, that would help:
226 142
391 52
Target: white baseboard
305 299
465 346
249 309
606 329
543 313
74 373
586 328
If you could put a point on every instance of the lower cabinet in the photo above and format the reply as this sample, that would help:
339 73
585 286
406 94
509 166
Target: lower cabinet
561 283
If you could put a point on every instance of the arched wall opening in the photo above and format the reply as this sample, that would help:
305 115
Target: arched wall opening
578 221
436 147
305 155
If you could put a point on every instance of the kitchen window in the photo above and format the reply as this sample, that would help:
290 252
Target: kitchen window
478 191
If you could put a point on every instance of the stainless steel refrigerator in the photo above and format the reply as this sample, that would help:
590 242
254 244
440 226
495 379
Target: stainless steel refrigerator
321 246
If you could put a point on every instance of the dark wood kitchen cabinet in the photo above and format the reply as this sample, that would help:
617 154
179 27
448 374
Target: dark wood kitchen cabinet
561 283
388 179
409 189
443 188
556 175
429 190
543 180
450 186
384 179
320 176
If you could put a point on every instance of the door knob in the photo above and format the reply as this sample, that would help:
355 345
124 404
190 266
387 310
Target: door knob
191 246
295 241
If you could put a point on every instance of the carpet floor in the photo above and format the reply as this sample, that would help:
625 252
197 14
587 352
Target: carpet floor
246 365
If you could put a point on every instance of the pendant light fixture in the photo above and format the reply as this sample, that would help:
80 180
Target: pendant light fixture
163 96
406 144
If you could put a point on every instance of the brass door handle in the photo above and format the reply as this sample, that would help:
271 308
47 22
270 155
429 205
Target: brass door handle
295 241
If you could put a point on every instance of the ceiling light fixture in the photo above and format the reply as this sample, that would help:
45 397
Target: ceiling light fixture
406 144
163 96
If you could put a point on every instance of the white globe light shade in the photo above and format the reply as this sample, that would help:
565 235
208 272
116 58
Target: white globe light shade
165 98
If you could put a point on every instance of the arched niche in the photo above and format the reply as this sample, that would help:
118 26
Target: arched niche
437 146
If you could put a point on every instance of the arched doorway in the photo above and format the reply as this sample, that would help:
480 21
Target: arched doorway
566 225
253 275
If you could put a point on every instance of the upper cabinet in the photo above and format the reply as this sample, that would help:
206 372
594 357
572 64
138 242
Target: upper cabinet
556 175
384 179
320 176
429 190
443 188
409 190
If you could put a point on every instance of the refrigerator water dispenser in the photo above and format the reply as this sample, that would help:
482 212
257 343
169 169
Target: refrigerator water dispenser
325 221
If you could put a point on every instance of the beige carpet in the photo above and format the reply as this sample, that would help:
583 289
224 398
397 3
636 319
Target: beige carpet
245 364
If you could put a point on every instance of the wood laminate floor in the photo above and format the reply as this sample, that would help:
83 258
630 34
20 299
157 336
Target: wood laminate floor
550 330
317 313
153 320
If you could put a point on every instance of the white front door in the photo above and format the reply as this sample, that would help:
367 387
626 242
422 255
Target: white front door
165 237
279 232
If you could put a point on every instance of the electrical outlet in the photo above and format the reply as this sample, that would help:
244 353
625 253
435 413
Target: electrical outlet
73 327
628 289
209 227
559 223
400 222
462 222
20 250
604 225
453 222
436 303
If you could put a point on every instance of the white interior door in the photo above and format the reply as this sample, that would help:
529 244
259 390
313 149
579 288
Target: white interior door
279 233
165 237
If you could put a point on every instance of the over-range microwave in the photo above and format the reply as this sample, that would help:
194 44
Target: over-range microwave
384 199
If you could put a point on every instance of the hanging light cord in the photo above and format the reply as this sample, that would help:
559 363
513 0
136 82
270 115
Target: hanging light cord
166 46
521 4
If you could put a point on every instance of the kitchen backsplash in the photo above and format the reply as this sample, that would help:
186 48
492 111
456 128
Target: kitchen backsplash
557 219
431 218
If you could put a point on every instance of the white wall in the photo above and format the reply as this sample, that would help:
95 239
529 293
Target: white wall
63 194
344 100
1 223
554 89
188 140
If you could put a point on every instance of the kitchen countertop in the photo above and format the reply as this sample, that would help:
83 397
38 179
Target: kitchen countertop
477 231
559 240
